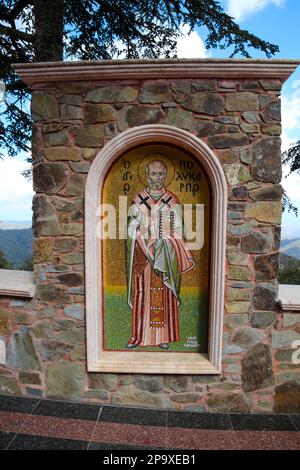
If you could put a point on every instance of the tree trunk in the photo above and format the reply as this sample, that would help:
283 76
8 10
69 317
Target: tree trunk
49 29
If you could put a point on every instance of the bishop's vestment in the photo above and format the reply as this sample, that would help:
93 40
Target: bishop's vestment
156 256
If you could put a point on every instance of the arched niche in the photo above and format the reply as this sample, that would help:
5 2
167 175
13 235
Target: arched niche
137 361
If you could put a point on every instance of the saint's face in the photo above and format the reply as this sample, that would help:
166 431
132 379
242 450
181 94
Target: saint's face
156 175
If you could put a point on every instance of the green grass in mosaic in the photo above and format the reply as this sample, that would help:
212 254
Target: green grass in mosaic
193 321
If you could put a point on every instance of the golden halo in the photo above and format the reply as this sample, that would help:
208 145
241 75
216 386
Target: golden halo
154 157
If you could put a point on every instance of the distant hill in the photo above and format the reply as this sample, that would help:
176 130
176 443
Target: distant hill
286 260
290 247
289 271
14 224
17 245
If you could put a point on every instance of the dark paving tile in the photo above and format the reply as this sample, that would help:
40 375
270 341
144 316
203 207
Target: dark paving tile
144 417
181 419
28 442
62 409
261 422
17 404
5 439
296 421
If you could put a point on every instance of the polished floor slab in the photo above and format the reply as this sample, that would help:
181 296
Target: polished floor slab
38 424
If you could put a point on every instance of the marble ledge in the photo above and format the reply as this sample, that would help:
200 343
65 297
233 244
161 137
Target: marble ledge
14 283
289 295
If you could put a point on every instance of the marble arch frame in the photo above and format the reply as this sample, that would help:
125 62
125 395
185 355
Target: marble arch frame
145 362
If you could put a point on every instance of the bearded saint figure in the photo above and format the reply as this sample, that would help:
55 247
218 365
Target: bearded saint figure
156 256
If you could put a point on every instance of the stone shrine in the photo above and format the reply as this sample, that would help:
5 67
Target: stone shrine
208 131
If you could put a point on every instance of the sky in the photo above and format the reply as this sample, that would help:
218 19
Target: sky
275 21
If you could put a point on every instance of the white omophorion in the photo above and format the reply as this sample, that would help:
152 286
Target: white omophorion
2 352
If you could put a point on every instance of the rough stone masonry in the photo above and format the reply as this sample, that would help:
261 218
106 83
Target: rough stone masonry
240 121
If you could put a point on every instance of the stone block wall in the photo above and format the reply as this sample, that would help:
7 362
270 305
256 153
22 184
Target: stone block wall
45 337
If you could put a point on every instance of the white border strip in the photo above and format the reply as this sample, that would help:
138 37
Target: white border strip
135 362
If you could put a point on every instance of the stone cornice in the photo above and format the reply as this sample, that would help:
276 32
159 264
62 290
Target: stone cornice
15 283
45 72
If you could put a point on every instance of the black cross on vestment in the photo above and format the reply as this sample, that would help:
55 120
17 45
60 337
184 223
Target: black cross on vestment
144 201
166 202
